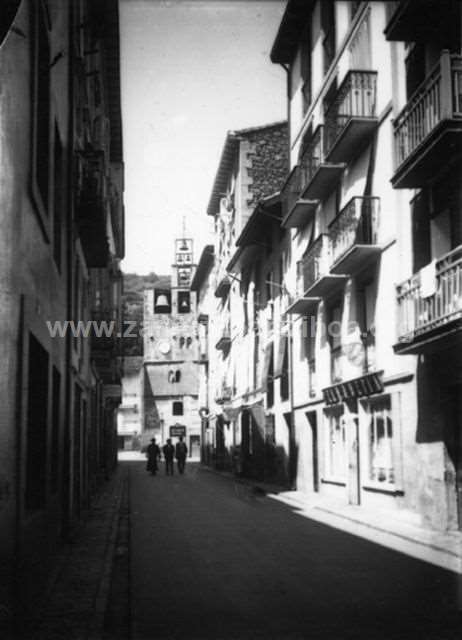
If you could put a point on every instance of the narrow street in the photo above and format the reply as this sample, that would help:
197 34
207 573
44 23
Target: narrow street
210 558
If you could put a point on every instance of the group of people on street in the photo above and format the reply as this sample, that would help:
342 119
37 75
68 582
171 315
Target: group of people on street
170 452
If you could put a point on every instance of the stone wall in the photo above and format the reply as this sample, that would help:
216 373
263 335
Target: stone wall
268 161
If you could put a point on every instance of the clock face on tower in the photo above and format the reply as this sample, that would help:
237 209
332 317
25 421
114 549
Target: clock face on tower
164 347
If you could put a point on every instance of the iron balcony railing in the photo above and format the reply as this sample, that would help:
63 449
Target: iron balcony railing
357 223
312 157
420 309
316 261
438 98
355 98
291 192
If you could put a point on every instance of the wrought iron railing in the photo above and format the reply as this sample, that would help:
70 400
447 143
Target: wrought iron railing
356 97
312 157
420 309
316 261
357 223
291 191
438 98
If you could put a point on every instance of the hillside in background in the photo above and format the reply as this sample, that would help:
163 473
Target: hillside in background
134 286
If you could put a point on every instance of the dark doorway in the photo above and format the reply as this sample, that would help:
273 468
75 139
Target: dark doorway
292 463
313 422
453 440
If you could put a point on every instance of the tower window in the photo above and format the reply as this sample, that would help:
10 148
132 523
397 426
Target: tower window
184 302
162 301
177 408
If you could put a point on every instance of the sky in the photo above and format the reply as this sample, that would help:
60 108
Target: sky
191 71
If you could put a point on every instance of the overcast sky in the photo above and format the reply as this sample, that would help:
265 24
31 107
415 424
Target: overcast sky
191 71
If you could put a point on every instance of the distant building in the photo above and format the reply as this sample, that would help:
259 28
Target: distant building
129 420
235 294
172 356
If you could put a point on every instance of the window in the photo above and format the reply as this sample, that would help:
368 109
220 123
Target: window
415 68
335 460
334 332
184 302
328 29
309 334
306 68
421 231
366 319
41 117
380 467
162 301
58 199
177 408
285 370
270 379
37 419
360 48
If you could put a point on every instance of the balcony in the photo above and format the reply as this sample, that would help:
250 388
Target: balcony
430 308
223 286
429 128
353 236
91 211
300 304
223 394
417 21
318 280
318 177
351 120
297 211
224 340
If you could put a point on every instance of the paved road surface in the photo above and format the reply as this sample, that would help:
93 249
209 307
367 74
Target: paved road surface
212 560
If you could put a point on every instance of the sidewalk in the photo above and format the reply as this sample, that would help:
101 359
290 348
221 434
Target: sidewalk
441 549
75 601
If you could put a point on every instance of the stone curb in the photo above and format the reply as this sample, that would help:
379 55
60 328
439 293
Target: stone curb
97 626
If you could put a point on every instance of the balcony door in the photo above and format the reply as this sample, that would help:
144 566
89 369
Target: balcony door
352 426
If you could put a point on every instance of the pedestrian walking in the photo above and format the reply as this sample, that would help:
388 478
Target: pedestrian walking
181 451
169 452
153 456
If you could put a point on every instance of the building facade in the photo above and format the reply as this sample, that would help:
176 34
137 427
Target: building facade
357 395
172 356
334 344
129 421
61 216
247 212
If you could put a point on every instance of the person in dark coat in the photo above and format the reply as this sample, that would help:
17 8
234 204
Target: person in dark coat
153 456
181 451
169 452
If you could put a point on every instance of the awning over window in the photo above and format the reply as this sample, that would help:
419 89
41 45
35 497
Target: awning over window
258 414
357 388
266 364
231 413
281 353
